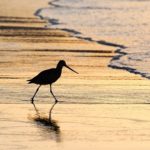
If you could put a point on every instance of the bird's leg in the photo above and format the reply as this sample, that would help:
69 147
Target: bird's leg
32 99
53 94
50 111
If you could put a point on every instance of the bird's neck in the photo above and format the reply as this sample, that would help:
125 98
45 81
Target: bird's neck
59 67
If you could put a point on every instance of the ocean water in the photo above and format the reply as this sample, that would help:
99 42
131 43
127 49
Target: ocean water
124 22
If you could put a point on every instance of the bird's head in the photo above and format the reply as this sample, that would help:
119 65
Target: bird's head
63 63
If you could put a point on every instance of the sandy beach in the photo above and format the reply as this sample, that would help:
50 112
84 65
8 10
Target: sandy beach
119 121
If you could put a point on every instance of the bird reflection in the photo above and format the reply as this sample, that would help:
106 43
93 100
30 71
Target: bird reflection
37 111
48 130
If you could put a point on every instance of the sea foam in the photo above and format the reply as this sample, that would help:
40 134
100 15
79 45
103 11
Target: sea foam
125 22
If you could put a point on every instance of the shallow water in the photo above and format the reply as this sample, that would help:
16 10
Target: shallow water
80 127
125 22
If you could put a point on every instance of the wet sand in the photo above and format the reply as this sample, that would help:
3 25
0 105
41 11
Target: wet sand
102 126
26 48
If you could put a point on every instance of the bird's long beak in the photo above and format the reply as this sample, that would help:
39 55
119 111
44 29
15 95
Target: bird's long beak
71 69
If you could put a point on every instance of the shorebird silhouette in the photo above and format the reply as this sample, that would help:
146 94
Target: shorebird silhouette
49 76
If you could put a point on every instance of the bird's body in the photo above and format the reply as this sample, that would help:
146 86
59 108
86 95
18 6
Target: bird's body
48 76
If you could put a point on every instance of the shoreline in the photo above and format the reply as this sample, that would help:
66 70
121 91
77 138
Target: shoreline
40 21
119 51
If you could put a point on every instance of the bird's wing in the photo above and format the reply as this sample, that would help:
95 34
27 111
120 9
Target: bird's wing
41 77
